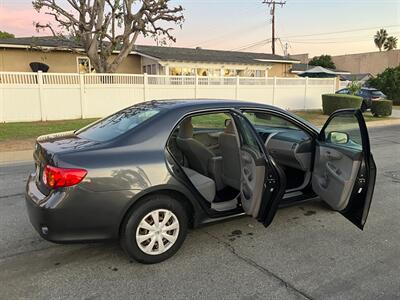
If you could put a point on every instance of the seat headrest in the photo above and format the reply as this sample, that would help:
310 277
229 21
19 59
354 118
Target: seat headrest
230 129
186 129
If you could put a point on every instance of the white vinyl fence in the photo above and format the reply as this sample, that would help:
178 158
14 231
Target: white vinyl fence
52 96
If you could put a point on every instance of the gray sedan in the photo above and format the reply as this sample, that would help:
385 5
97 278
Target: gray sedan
147 173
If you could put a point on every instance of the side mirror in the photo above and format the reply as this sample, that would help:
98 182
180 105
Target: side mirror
337 137
228 122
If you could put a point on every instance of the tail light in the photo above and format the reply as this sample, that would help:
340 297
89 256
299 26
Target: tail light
375 97
55 177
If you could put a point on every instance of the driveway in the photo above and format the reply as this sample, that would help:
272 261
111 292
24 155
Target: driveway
308 252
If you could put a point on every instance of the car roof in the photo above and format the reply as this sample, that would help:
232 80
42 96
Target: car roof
200 102
197 104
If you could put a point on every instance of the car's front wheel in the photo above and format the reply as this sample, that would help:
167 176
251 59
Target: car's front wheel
155 229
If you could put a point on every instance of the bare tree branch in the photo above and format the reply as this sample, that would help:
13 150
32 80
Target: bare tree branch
106 26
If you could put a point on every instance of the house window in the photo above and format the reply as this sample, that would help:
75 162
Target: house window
188 71
161 70
83 65
260 73
174 71
153 69
202 72
230 73
214 72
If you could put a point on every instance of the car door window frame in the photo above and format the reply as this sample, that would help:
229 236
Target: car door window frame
368 167
308 128
180 174
366 148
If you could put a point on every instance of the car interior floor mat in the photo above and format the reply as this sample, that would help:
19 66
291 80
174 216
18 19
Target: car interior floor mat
226 194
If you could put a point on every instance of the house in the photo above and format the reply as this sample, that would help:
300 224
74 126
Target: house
65 56
362 77
301 68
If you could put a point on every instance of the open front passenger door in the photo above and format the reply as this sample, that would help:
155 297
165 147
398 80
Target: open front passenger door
263 182
344 169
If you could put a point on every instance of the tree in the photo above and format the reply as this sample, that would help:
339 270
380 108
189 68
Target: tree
323 61
6 35
354 87
380 38
388 82
108 29
390 43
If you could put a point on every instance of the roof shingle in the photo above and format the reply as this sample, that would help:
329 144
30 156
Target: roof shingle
162 53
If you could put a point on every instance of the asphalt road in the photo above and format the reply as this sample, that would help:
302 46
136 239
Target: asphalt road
308 252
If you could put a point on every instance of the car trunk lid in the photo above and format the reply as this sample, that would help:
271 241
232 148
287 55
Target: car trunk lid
48 149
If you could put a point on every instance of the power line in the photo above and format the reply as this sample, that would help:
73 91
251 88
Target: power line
260 42
263 42
246 29
342 31
272 4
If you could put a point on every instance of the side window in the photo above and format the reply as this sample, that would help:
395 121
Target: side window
343 130
204 128
214 121
265 120
247 136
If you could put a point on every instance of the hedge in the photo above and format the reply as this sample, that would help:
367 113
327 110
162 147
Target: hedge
332 102
381 108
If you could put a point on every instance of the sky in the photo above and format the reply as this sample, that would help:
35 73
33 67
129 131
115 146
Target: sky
303 26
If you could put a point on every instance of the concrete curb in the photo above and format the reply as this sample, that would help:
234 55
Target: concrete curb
25 156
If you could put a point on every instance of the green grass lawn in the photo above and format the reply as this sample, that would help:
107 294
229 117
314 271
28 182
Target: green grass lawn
317 118
28 130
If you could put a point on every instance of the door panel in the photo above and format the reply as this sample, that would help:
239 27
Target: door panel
344 170
252 181
262 181
334 171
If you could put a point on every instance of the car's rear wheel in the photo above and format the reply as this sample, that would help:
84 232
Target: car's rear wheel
364 106
155 229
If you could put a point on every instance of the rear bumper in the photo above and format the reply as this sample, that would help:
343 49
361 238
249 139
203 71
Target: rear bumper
73 214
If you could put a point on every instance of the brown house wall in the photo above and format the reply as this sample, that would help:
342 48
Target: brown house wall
372 62
280 70
17 60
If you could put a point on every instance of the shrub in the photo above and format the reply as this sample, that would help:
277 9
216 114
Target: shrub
389 83
332 102
381 108
354 87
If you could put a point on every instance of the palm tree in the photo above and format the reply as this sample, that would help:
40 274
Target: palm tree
391 43
380 38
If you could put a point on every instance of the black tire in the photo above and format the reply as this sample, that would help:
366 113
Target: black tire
364 106
147 205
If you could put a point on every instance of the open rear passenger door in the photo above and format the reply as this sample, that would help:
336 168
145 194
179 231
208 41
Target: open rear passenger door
344 169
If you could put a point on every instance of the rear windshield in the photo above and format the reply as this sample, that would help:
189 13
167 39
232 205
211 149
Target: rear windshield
117 124
377 93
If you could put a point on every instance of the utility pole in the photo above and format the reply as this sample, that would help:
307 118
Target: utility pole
272 4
